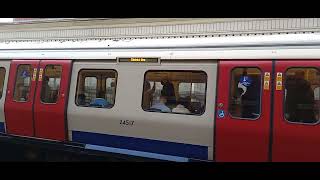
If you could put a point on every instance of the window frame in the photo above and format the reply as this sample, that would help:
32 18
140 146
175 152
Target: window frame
15 81
205 94
77 86
283 97
261 91
59 83
4 78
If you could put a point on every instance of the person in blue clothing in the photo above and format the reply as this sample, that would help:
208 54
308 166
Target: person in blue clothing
99 102
161 105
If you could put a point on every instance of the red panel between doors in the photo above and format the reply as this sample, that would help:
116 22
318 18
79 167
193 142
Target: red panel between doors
236 139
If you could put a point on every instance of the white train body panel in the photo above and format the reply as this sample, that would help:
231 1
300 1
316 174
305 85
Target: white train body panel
178 128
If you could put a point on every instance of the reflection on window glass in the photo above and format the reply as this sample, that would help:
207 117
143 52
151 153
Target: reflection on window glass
51 83
90 88
96 88
22 84
302 87
2 76
175 91
245 93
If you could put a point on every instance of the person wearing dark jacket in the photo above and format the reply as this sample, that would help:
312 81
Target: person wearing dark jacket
299 102
168 90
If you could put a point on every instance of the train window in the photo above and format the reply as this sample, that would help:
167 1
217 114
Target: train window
182 92
2 76
22 84
51 83
96 88
302 95
245 93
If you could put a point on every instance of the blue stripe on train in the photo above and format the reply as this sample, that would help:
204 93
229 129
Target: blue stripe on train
139 144
137 153
2 127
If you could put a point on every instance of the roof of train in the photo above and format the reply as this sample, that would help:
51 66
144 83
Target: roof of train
170 43
286 46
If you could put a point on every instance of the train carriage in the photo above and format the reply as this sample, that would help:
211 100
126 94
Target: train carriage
245 98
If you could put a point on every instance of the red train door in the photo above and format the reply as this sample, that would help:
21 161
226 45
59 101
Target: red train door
51 99
243 111
36 105
297 111
20 97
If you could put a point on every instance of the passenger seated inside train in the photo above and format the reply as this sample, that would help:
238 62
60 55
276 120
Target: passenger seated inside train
96 88
99 102
161 105
196 108
184 91
180 109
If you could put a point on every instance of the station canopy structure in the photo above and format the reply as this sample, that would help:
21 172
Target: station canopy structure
81 29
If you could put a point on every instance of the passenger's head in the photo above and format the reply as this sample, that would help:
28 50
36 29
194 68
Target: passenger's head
164 81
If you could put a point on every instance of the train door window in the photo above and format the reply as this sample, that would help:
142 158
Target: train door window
245 93
22 83
51 83
96 88
2 76
301 95
182 92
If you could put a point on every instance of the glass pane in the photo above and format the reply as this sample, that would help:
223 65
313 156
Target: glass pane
51 83
111 89
22 84
90 88
2 76
175 91
245 93
302 87
96 88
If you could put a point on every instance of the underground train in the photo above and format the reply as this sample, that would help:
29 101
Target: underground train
214 99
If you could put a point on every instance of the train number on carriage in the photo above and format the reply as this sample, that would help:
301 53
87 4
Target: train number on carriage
126 122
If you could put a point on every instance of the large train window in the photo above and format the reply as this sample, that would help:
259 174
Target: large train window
182 92
96 88
51 83
22 84
2 76
245 93
302 95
